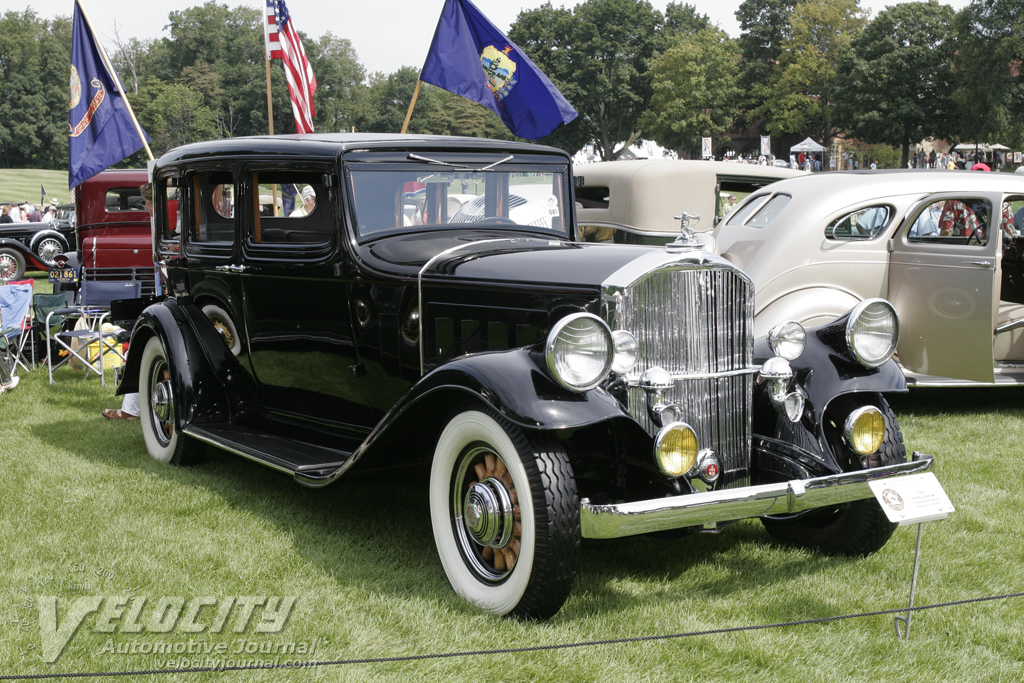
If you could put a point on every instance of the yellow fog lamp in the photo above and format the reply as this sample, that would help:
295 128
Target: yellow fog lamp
865 430
675 449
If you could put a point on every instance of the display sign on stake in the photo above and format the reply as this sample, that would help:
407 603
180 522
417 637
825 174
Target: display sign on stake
915 499
911 500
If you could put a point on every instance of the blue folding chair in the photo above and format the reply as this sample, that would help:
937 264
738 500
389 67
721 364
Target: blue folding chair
92 309
15 302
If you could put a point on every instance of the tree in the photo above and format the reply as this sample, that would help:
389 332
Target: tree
177 116
896 84
341 97
989 64
597 55
695 90
802 96
34 58
764 25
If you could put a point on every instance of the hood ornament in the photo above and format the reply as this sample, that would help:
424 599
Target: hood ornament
687 240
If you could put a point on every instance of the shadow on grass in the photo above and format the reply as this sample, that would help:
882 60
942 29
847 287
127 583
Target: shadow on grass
372 533
928 402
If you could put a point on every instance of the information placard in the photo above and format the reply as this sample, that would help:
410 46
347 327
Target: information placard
913 499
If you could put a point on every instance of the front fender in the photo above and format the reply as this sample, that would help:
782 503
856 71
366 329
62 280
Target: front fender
824 373
203 369
32 262
48 233
510 382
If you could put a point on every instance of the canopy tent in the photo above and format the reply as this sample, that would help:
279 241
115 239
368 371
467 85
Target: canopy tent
983 146
807 145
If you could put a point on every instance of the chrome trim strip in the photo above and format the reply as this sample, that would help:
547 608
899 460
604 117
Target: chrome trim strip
1009 326
679 376
696 509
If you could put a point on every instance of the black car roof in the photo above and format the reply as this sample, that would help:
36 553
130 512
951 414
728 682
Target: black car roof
329 145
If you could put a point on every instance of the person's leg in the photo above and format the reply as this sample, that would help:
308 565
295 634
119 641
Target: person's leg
129 409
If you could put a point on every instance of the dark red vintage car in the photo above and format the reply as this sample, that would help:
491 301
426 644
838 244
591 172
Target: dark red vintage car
114 234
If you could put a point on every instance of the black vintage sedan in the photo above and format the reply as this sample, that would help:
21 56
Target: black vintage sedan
408 300
44 239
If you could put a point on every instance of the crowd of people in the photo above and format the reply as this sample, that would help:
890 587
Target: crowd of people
28 213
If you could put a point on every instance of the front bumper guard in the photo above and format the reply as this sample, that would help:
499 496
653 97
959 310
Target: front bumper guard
698 509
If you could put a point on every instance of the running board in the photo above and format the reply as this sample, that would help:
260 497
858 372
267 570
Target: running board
308 463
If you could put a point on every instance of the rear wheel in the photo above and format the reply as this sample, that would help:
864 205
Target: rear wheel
859 528
505 515
12 265
160 428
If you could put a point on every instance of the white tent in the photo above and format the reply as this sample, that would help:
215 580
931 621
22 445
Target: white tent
807 145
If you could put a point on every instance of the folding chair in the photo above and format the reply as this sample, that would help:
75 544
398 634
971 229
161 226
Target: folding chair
92 310
42 322
15 301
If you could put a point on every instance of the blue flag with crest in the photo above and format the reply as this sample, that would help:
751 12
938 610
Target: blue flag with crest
472 58
100 129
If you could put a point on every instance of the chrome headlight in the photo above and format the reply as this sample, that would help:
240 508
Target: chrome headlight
787 340
627 352
579 351
872 331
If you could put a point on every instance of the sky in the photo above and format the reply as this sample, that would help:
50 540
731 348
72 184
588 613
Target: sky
386 34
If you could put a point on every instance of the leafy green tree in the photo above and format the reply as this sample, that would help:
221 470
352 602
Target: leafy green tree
803 93
683 19
34 59
341 97
989 64
695 90
764 25
884 156
896 84
597 54
177 116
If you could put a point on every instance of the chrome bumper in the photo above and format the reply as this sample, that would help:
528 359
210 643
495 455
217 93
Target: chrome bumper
697 509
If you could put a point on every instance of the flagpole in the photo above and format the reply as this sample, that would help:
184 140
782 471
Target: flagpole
408 115
117 79
270 101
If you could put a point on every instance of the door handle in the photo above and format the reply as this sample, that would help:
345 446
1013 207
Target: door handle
979 264
233 268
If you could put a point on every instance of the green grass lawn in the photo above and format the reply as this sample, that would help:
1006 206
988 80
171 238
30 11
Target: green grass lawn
86 512
22 185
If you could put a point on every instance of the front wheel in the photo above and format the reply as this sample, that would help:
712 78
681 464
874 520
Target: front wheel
160 428
859 528
48 248
505 515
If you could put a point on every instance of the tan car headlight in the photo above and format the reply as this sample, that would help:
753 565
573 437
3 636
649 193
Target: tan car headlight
872 331
579 351
865 430
675 449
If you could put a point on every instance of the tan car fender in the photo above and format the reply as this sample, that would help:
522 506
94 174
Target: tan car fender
809 307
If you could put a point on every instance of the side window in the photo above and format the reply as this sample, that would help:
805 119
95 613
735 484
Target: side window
167 198
214 210
292 207
769 211
959 221
861 224
593 196
123 199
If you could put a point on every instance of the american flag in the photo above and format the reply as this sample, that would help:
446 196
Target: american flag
270 34
301 82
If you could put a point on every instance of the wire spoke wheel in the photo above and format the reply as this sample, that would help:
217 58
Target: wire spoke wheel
505 515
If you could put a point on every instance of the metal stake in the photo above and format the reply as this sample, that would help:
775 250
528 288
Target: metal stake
905 635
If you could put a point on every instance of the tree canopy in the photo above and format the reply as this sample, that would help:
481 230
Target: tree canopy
815 68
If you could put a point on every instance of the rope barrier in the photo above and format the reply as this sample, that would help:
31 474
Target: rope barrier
514 650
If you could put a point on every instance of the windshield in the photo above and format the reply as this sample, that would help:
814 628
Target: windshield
423 194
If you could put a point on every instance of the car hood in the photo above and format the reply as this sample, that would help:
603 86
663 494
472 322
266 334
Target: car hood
496 258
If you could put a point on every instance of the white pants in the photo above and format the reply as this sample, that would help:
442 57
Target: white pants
130 405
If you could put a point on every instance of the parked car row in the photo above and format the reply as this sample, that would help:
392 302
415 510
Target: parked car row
435 306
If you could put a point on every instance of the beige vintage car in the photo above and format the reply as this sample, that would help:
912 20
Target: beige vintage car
635 202
942 246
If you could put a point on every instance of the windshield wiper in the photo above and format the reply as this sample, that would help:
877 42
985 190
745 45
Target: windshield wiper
417 157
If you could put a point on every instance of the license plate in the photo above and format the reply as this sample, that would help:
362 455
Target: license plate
64 275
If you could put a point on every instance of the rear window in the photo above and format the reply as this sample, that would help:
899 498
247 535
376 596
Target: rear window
124 199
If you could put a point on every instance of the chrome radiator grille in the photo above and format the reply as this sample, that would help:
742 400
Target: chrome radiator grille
697 323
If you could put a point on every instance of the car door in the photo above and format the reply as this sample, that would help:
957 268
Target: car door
943 275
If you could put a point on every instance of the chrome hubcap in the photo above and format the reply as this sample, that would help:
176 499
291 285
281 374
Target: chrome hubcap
488 513
485 514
